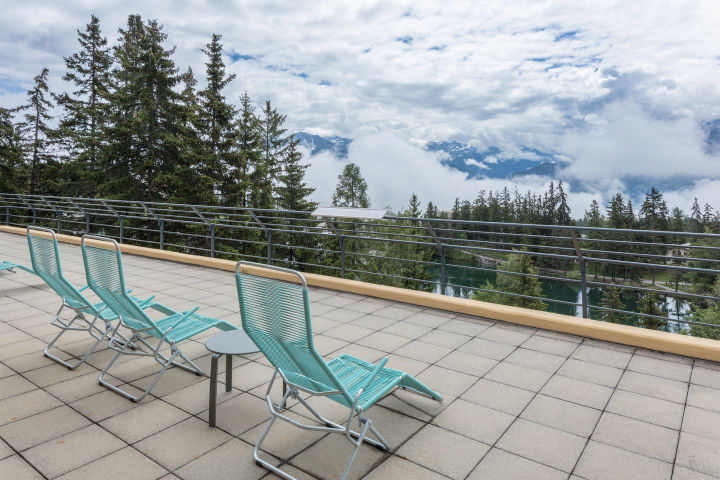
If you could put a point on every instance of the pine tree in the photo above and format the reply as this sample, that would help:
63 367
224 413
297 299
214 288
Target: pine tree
145 135
677 220
611 299
293 192
654 211
696 216
13 175
85 110
351 190
274 147
217 118
593 217
37 134
562 214
235 187
648 305
521 284
414 206
431 211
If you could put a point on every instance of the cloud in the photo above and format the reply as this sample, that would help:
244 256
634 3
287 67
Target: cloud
395 168
624 141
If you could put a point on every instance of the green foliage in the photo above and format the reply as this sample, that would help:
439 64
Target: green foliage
649 305
351 190
13 175
611 299
516 284
710 314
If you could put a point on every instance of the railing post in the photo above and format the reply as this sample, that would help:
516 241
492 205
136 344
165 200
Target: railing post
341 239
162 234
583 276
34 214
122 227
212 240
59 216
7 215
443 282
87 223
268 234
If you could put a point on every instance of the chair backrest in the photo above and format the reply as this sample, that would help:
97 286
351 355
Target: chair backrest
276 316
45 257
104 272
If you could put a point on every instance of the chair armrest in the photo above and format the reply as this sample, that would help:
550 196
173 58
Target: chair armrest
184 317
83 288
374 373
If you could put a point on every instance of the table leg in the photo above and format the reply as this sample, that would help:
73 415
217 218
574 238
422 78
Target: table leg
228 373
213 389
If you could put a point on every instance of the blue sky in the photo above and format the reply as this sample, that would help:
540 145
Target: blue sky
617 88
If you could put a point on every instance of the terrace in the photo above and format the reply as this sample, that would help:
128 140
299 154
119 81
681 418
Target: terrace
519 402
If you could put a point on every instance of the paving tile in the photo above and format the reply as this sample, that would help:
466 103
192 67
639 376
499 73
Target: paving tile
602 356
543 444
561 415
232 460
143 421
618 347
498 396
705 377
604 462
194 399
343 315
539 360
519 376
106 404
664 356
699 421
422 351
445 339
652 386
248 376
636 436
383 341
699 454
14 385
467 363
443 451
327 458
508 336
5 371
5 450
591 372
660 368
465 327
179 444
326 345
26 404
488 348
349 333
374 322
648 409
127 462
427 319
407 330
68 452
396 467
240 414
404 364
443 380
394 313
16 468
501 465
704 397
44 426
474 421
550 345
577 391
682 473
365 306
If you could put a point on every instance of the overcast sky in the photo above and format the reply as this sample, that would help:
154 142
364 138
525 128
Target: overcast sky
618 88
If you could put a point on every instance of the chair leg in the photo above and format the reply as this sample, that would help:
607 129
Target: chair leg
65 328
169 361
259 461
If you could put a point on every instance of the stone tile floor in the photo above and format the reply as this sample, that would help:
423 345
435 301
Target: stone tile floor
519 403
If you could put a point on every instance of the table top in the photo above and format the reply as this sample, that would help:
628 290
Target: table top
234 342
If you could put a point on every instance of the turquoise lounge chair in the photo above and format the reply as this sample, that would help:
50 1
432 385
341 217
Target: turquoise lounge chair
276 316
45 257
104 271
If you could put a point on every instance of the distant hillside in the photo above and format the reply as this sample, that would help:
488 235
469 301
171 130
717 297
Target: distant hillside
317 144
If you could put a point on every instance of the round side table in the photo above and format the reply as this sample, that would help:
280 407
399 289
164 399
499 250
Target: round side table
234 342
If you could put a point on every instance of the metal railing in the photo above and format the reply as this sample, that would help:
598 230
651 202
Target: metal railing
433 254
